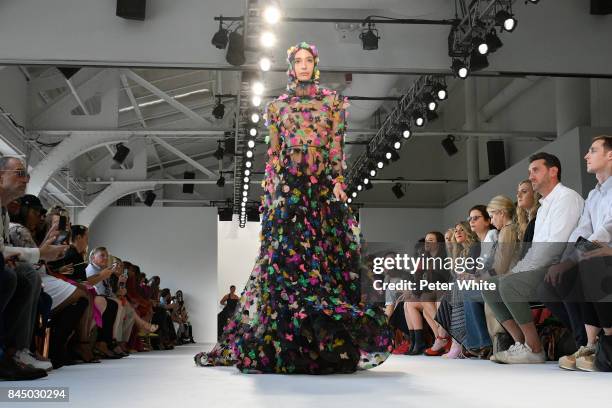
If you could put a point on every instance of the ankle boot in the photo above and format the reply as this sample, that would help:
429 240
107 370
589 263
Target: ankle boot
411 340
419 344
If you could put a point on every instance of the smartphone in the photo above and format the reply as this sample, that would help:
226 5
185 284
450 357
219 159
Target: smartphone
584 245
61 226
61 238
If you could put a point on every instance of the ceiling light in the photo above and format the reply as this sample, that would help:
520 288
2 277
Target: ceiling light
249 153
265 64
253 132
440 91
460 70
493 41
267 39
248 164
247 172
418 118
369 38
251 144
255 117
235 50
271 14
506 20
256 100
258 88
246 179
478 61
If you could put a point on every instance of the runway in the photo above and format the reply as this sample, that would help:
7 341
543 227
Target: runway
170 378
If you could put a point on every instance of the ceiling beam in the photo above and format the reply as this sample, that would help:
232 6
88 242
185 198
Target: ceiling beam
130 95
183 156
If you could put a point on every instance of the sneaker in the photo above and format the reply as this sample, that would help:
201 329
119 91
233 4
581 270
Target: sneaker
26 358
569 362
501 355
586 363
523 354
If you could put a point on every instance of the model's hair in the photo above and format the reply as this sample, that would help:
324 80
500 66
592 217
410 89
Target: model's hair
523 216
607 141
550 160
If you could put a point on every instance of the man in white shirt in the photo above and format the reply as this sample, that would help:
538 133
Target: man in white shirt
20 313
556 219
562 290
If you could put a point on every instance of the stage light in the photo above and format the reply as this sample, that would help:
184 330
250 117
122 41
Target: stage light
380 164
404 129
397 145
354 194
373 172
249 153
271 14
366 181
149 198
121 153
504 19
418 118
219 110
235 50
481 45
478 61
246 179
245 193
246 186
258 88
393 156
221 181
397 190
359 187
369 38
251 144
253 132
368 185
247 172
429 101
449 145
245 199
220 39
388 155
493 41
350 200
255 117
267 39
218 154
265 64
248 164
440 91
256 100
459 69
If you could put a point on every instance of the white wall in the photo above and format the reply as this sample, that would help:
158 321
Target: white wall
238 250
177 244
398 224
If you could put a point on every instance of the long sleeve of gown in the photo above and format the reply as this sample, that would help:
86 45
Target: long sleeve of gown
336 151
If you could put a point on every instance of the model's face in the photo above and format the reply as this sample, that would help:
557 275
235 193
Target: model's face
525 196
303 65
540 175
597 159
460 234
478 223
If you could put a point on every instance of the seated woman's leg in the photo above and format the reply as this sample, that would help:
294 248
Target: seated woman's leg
413 309
494 300
477 337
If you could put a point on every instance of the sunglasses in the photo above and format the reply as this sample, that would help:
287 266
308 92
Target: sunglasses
19 173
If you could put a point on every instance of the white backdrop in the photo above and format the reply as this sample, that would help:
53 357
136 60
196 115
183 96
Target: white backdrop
177 244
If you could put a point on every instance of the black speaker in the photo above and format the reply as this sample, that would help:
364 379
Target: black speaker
121 154
132 9
601 7
149 198
496 156
225 214
188 188
448 143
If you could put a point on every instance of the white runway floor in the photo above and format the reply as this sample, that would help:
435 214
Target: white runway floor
170 379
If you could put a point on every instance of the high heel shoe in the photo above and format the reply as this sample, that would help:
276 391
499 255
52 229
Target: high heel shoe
454 352
440 347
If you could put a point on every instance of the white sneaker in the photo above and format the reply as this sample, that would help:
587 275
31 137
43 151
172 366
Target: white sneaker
523 354
500 356
25 357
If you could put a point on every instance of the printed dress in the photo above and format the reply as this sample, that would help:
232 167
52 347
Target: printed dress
303 299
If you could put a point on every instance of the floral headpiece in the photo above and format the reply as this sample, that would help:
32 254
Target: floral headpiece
292 83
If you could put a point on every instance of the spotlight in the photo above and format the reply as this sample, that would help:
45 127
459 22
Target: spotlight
149 198
258 88
245 199
368 185
478 61
359 187
246 186
249 153
481 45
418 118
388 155
221 181
393 155
459 68
440 91
255 117
218 154
405 130
219 40
251 144
369 38
397 190
246 179
121 153
219 110
380 164
235 50
366 181
350 200
256 100
449 145
504 19
354 194
253 132
267 39
373 172
265 64
271 14
245 193
493 41
248 164
429 101
397 145
247 172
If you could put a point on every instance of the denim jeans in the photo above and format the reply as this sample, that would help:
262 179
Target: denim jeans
477 335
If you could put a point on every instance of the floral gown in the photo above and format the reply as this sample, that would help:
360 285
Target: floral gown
303 296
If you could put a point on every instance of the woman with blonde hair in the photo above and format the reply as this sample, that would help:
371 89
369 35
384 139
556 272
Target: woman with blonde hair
528 202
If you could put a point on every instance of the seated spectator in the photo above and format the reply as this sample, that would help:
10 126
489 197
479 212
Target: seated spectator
527 203
557 218
562 291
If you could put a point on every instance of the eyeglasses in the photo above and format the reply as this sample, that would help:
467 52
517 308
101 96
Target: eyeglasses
474 218
19 173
